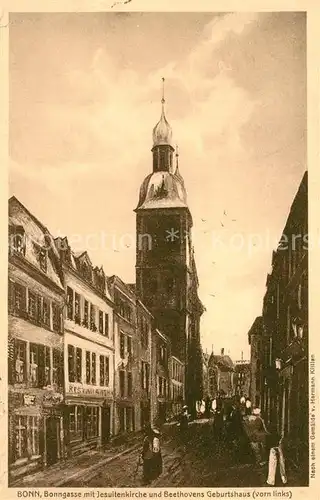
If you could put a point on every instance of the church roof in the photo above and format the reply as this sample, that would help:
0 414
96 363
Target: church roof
162 190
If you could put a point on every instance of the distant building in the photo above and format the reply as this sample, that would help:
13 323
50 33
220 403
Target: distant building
221 374
35 341
241 379
205 375
255 335
88 351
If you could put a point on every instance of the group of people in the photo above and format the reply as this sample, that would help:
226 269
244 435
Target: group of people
248 428
245 431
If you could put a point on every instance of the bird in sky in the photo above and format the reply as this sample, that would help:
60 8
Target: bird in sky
234 220
212 295
203 220
222 224
224 212
116 250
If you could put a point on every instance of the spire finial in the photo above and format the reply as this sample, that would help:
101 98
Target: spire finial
163 100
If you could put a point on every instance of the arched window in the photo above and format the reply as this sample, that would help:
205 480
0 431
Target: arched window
18 239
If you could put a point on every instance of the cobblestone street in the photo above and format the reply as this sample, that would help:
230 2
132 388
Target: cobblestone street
203 463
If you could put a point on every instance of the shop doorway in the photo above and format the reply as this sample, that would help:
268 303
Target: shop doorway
52 444
106 417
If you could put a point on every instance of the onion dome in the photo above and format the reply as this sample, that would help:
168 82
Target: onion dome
162 132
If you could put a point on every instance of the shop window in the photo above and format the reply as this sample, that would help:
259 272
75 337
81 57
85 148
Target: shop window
104 371
26 436
106 324
20 356
92 421
77 314
34 435
100 322
21 437
70 295
76 423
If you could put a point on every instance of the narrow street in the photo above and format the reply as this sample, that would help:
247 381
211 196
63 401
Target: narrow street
198 466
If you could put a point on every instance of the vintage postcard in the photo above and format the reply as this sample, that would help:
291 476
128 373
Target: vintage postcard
161 215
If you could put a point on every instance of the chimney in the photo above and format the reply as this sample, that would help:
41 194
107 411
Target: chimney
222 352
241 355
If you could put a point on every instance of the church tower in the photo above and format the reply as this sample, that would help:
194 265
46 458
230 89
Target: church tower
166 278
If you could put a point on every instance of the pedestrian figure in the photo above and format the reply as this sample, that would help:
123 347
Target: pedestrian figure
257 433
184 424
276 466
151 455
248 406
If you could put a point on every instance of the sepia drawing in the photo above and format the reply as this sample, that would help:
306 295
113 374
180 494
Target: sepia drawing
158 301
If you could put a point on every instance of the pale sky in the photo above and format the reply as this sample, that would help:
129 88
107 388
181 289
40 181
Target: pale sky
85 93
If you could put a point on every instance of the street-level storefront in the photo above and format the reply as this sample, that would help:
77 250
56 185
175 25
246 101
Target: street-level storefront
125 421
88 417
36 431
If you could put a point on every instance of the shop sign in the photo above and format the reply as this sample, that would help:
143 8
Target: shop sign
88 391
52 398
29 400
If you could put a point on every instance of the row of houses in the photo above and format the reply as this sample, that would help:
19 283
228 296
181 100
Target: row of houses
86 362
279 337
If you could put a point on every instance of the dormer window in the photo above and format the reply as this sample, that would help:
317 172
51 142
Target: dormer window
18 239
86 271
43 259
